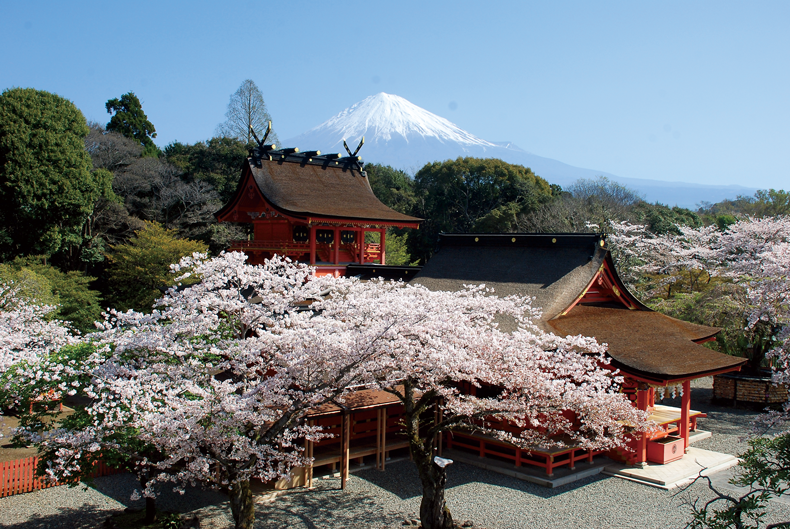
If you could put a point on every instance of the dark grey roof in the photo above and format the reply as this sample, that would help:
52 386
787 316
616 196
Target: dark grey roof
554 273
387 272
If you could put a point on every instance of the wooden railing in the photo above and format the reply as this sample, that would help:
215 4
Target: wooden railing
547 459
19 476
286 246
324 251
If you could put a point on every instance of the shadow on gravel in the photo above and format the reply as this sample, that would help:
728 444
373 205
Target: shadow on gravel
121 486
313 509
83 517
402 480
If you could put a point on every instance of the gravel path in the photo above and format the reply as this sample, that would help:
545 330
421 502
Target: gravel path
374 499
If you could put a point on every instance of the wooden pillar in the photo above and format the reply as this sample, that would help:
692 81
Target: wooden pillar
384 438
312 244
439 418
336 252
685 408
382 244
435 421
361 246
379 440
345 434
641 403
309 454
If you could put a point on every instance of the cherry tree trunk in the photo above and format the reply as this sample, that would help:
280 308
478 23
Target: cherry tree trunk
241 505
150 510
434 513
150 503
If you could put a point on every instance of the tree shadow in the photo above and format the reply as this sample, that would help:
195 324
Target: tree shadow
401 479
324 506
120 487
82 517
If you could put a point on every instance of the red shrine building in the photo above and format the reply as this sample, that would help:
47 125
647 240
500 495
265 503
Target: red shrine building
320 209
313 208
573 280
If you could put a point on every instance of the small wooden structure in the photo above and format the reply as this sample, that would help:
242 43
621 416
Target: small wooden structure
367 423
311 207
574 282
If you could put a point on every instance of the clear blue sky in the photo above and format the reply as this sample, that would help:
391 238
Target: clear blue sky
671 90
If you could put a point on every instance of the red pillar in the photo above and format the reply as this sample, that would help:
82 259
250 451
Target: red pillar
685 408
641 403
345 434
312 244
361 242
382 243
337 246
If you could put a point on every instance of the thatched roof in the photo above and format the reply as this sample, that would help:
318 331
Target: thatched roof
311 185
646 342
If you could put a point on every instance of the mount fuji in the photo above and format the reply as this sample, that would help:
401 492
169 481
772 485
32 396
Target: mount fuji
405 136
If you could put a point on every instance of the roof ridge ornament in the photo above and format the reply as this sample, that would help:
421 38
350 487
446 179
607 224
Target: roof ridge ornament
354 156
361 143
265 136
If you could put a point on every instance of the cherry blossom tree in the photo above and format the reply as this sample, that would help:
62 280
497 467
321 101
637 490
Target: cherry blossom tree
202 383
662 265
751 254
26 336
219 378
427 344
757 254
25 332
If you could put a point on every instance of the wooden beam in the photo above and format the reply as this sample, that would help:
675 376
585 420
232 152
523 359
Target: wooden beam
380 427
384 438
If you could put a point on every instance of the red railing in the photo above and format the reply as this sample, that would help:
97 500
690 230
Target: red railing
19 476
323 250
281 246
547 459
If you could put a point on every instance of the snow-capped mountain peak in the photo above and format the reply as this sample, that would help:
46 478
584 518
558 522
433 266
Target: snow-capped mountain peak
382 116
401 134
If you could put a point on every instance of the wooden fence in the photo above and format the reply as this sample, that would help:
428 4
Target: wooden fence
19 476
